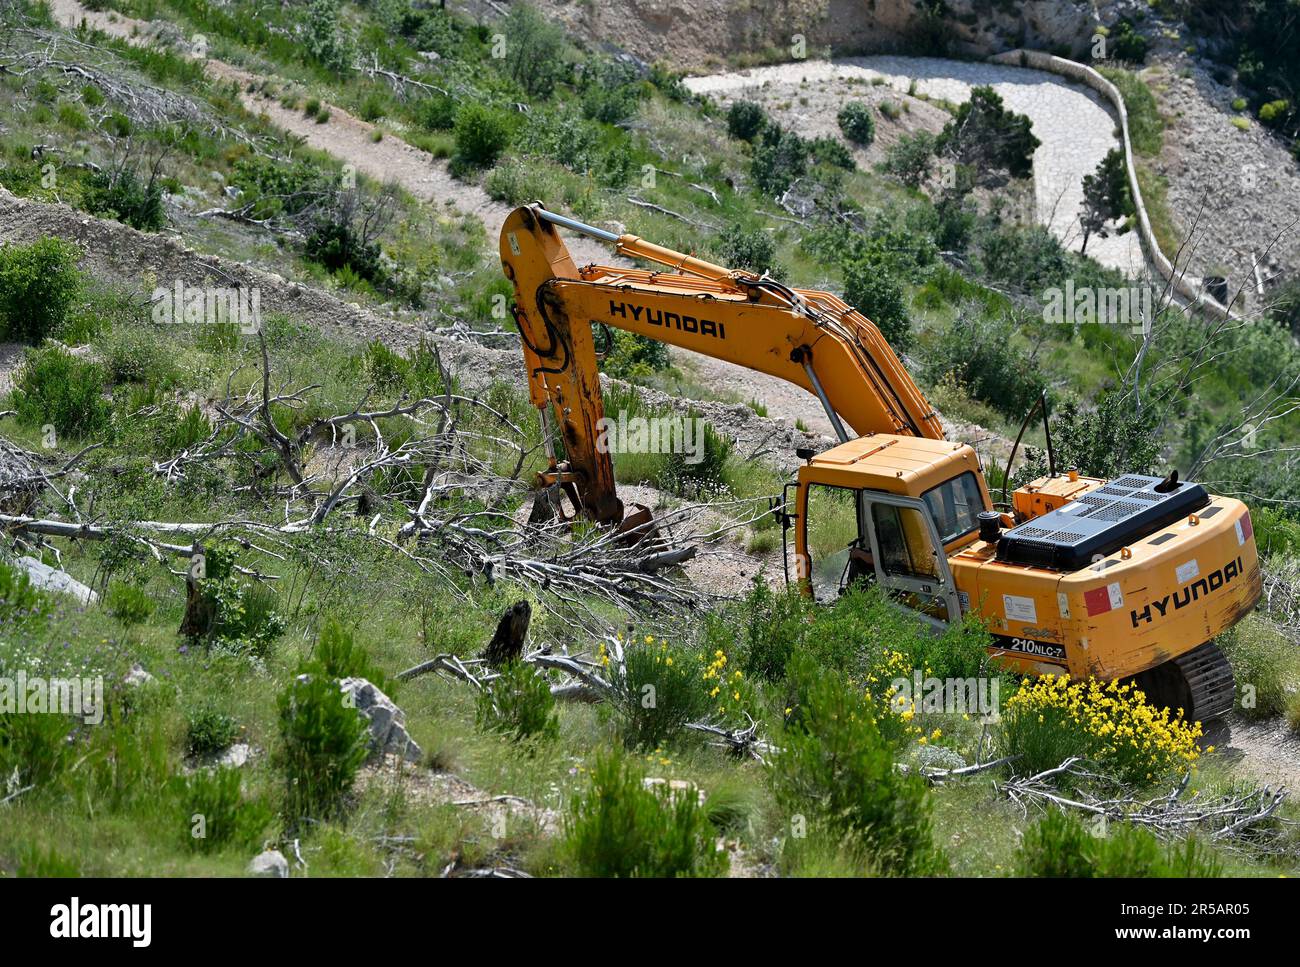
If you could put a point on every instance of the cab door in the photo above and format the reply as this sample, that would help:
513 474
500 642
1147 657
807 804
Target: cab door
849 534
908 557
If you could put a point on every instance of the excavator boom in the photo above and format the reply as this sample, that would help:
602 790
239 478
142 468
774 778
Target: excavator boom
809 338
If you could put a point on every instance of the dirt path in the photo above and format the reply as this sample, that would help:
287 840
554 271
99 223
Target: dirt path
349 139
1268 751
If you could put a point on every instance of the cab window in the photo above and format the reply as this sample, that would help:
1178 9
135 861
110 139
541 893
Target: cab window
955 506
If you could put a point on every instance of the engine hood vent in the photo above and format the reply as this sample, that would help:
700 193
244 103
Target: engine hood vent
1099 523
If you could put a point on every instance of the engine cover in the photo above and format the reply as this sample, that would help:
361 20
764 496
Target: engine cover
1099 523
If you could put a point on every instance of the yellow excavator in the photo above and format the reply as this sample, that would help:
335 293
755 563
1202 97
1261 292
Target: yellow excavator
1129 578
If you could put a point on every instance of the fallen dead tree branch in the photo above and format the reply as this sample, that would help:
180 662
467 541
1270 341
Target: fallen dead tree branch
1222 818
584 683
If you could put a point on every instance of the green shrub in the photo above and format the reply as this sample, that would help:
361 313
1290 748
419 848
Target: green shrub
657 691
856 122
780 157
1276 532
417 372
910 157
326 40
683 474
534 50
122 194
1031 259
1059 845
837 771
773 625
620 828
73 116
612 92
1263 661
482 133
35 746
137 355
191 426
335 243
746 120
1109 440
241 617
55 387
979 350
339 656
324 743
214 812
128 603
437 112
634 357
373 107
39 284
754 251
1275 113
20 601
519 703
870 288
984 136
1126 44
830 151
209 731
275 186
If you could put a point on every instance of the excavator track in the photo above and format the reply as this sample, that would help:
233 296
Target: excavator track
1200 682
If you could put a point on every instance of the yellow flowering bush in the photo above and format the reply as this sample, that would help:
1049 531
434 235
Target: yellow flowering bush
658 689
1052 718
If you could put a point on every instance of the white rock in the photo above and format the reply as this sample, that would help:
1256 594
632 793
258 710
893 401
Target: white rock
387 722
270 864
52 579
137 676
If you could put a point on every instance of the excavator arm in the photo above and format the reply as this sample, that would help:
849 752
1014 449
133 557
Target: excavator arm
809 338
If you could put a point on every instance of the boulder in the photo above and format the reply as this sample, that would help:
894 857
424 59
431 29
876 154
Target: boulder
52 579
387 722
269 863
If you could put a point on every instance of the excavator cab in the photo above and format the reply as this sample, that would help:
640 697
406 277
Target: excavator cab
886 510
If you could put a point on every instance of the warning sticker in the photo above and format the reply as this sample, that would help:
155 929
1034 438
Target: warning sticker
1187 571
1019 608
1101 600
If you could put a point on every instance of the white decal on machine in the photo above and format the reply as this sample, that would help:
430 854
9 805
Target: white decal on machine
1188 571
1019 608
1116 595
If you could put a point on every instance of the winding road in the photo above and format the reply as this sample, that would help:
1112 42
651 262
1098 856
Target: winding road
1073 122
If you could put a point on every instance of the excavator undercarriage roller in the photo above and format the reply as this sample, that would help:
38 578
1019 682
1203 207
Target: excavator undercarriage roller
1199 682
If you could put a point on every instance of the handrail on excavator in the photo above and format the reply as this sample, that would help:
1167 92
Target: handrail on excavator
638 247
